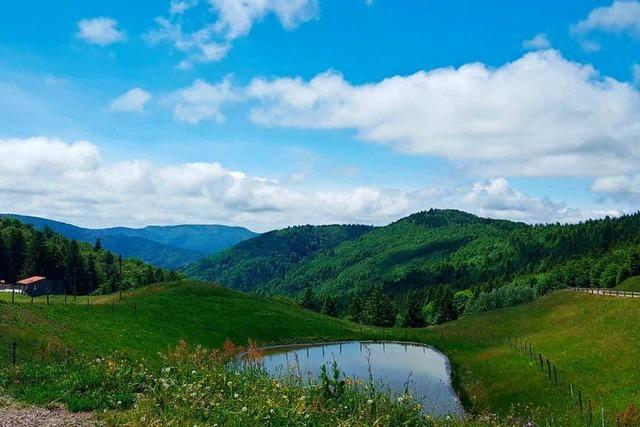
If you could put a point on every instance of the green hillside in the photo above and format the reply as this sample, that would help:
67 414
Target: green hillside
592 340
257 263
438 253
630 284
154 318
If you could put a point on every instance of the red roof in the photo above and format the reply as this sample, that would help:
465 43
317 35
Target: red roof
30 280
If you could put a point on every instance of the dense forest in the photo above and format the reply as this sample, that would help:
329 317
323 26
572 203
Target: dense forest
435 266
269 257
26 251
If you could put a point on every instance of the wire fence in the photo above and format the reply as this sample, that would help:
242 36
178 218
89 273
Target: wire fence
585 408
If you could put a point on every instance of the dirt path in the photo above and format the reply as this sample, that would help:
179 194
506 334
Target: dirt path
13 414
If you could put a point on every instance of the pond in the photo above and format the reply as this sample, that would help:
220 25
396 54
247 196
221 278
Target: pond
395 366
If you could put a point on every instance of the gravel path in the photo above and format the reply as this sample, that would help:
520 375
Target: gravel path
13 414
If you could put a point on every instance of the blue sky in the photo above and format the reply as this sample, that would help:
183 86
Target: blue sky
268 113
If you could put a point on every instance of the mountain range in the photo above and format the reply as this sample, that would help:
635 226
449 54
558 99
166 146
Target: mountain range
171 247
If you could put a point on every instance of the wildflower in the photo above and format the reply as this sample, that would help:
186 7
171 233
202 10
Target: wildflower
236 395
119 402
400 399
193 372
370 402
98 360
244 409
229 384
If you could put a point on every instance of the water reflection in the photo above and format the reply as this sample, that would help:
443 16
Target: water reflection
398 366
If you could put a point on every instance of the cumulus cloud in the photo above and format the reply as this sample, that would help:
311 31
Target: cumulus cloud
132 101
230 20
539 41
540 115
70 181
100 31
618 186
202 101
622 16
497 199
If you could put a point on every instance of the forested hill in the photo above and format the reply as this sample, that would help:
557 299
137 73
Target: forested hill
26 251
430 251
265 260
162 246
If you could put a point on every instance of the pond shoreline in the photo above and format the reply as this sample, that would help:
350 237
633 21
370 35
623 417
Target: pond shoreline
452 384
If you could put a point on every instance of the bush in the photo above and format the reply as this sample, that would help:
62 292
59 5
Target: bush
506 296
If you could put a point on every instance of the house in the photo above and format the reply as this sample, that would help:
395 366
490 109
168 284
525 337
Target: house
34 286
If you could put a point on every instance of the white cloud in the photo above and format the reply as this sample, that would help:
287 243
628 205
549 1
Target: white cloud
133 101
202 101
539 41
497 199
100 31
70 181
231 19
617 184
540 115
622 16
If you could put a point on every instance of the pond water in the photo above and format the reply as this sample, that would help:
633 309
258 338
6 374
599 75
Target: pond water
395 366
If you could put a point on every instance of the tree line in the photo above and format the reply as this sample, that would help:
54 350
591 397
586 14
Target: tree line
81 268
514 266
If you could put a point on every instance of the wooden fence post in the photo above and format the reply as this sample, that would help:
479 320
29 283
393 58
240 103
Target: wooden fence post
541 362
580 399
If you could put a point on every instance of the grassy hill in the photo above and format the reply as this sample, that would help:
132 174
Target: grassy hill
154 318
630 284
591 340
169 247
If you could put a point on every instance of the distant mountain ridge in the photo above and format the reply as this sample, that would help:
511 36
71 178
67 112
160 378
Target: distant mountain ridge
171 247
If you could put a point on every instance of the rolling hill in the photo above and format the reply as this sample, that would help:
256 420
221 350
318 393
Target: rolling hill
170 247
429 249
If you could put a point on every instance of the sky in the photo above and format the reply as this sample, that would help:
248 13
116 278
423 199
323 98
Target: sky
270 113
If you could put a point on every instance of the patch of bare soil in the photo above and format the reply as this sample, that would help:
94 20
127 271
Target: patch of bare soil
13 414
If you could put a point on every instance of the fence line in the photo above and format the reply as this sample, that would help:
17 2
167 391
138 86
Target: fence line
545 366
607 292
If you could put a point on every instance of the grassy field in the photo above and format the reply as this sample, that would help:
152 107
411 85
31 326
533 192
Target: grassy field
147 321
592 340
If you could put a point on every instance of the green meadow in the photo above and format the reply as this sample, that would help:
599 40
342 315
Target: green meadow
591 340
